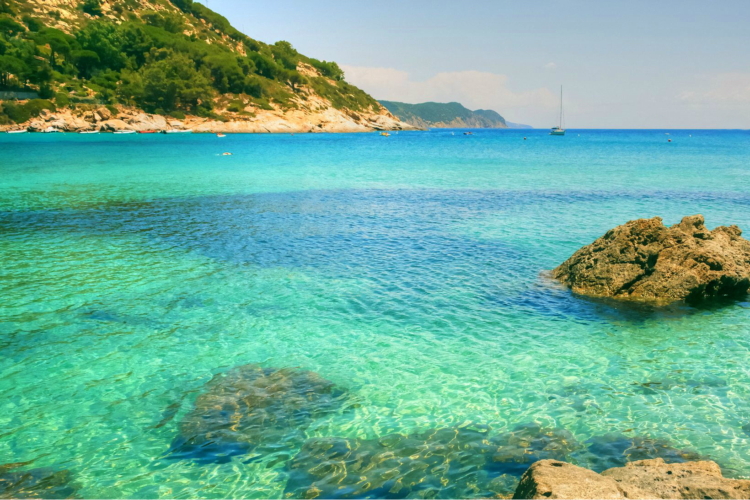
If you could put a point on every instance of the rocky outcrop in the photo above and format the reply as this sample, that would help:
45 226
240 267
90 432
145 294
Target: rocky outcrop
643 479
644 260
35 483
261 121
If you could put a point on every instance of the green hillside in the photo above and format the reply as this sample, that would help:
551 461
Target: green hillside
451 114
167 57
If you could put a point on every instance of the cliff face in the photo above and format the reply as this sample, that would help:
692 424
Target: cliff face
444 115
174 59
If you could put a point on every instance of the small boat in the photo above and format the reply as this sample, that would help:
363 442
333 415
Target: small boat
120 132
226 154
468 133
385 134
221 135
559 130
148 131
178 131
51 130
16 131
88 132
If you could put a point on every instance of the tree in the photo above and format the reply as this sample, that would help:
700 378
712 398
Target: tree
92 7
294 79
106 40
226 72
11 66
85 61
9 27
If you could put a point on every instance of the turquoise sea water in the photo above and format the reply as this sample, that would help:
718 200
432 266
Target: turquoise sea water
407 270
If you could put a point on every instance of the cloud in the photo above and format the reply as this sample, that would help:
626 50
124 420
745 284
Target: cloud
550 65
473 89
724 89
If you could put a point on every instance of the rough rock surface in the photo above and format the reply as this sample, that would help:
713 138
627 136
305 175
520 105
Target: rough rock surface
322 119
644 260
250 407
642 479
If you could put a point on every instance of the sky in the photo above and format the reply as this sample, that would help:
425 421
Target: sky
622 64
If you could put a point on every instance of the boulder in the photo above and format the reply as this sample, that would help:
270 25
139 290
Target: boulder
35 483
113 125
646 261
555 479
642 479
251 407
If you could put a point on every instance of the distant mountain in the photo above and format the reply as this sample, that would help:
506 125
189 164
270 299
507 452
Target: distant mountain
518 125
444 115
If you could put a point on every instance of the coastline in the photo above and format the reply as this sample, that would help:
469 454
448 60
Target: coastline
102 119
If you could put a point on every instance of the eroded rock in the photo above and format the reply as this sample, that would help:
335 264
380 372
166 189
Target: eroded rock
35 483
642 479
250 407
615 450
644 260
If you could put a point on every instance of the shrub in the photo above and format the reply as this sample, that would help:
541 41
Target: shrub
177 114
92 7
62 99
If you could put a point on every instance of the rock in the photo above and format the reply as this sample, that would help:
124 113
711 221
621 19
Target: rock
642 479
35 483
433 463
644 260
104 114
657 479
113 125
250 407
143 121
555 479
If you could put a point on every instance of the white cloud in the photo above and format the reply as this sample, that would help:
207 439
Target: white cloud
473 89
550 65
723 89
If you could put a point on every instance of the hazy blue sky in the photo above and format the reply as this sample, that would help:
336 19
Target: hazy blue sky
624 64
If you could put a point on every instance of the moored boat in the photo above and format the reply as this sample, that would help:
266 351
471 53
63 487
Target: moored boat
119 132
51 130
559 130
178 131
88 132
16 131
148 131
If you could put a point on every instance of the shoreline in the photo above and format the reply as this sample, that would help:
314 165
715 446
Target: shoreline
126 119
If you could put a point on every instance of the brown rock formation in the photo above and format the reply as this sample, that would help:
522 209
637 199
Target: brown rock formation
644 260
644 479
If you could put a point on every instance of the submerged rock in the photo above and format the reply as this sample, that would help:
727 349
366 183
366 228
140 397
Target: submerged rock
641 479
250 407
440 463
644 260
35 483
614 450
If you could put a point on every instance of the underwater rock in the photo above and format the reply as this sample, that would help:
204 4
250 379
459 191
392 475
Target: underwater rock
250 407
440 463
35 483
614 450
644 260
642 479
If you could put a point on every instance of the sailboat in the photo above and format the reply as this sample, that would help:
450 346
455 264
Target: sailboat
559 130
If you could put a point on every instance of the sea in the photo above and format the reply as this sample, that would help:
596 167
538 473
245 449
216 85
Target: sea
411 271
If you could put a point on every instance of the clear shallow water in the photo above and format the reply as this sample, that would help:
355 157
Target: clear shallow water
405 270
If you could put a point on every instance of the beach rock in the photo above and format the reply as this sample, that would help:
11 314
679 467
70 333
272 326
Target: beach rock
434 463
35 483
114 124
143 121
251 407
642 479
644 260
555 479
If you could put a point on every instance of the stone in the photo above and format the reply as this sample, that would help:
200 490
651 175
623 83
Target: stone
35 483
643 260
454 462
555 479
644 479
251 408
658 479
114 124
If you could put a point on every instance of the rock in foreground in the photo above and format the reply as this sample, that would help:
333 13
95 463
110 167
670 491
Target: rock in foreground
35 483
643 479
644 260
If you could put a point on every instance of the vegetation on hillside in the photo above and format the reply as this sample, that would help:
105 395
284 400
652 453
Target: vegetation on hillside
178 57
432 113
